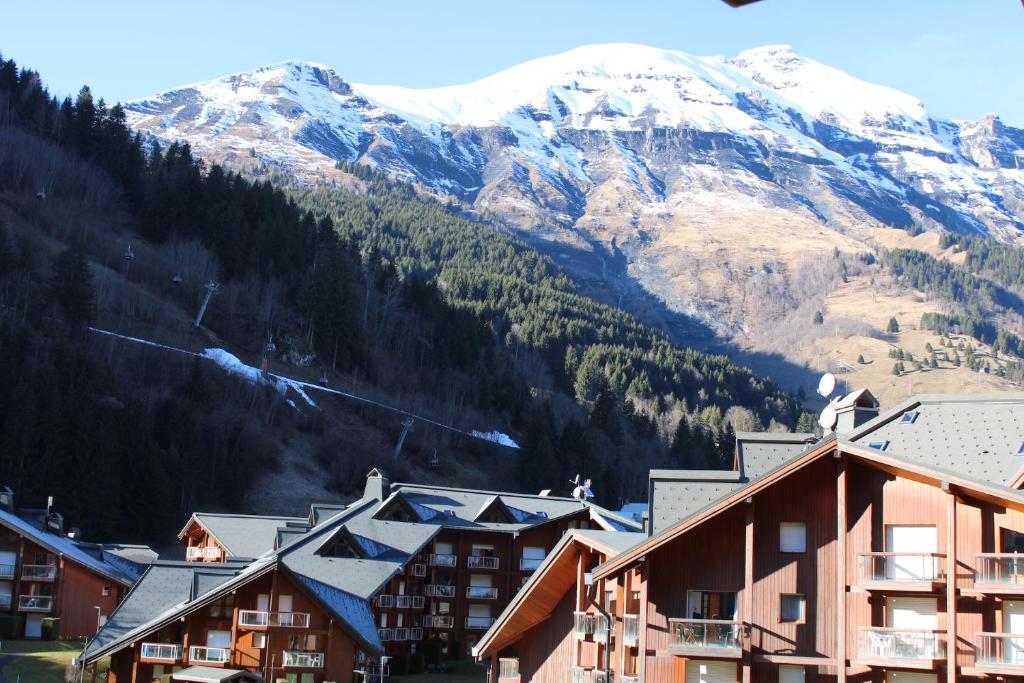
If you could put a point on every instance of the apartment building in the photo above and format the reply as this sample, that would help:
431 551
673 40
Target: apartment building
887 552
44 573
406 570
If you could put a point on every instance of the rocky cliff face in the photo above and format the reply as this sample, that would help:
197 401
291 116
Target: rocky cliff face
692 176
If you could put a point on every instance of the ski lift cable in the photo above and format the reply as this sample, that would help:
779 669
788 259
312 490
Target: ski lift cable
309 385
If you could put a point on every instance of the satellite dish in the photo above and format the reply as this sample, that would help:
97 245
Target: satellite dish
828 418
826 385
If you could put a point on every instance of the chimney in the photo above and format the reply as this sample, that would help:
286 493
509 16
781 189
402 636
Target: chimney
7 499
54 521
378 486
855 409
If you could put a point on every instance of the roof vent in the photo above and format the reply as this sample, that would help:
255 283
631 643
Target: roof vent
449 513
542 514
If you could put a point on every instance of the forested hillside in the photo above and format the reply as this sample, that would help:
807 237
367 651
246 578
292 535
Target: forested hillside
382 291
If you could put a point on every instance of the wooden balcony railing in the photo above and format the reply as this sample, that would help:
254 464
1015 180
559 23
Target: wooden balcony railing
903 569
876 644
248 618
443 560
439 591
303 660
1000 572
38 572
35 603
1000 651
508 670
163 652
482 592
481 562
200 654
479 623
710 636
630 630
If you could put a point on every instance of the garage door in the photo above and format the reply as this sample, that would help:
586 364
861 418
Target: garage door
698 671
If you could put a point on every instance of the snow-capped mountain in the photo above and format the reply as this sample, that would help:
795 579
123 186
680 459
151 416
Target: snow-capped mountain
633 151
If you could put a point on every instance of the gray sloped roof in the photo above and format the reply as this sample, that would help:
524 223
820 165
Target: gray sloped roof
677 494
615 540
246 535
164 586
974 436
760 452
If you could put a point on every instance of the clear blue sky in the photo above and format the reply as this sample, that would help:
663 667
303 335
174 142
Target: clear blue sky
963 58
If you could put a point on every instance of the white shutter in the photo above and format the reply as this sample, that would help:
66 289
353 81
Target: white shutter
480 611
702 671
533 553
910 677
912 613
481 580
443 549
793 537
284 603
791 674
263 602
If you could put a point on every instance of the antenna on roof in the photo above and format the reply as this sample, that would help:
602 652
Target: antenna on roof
828 418
582 491
826 385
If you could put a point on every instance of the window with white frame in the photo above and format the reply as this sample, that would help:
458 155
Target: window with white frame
793 537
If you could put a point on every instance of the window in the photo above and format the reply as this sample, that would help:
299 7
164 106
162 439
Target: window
793 537
218 639
259 640
710 605
310 644
384 620
791 674
792 608
908 418
878 445
106 591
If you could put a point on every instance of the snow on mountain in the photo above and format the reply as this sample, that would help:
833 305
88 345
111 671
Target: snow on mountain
611 147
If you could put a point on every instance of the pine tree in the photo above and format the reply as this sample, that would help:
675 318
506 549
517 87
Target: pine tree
818 318
896 369
808 423
72 288
893 327
860 359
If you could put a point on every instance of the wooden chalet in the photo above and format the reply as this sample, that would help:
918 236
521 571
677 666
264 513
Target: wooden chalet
889 552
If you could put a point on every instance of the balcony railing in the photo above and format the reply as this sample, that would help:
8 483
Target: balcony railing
416 634
303 660
7 571
894 643
198 654
582 624
718 636
443 560
164 652
385 634
530 564
508 669
439 591
904 569
600 628
193 552
1000 650
403 601
602 676
629 678
582 675
439 621
248 618
419 570
401 634
385 600
482 592
5 600
38 572
479 623
211 553
481 562
1000 571
35 603
630 630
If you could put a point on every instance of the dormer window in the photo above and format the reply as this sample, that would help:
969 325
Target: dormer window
878 445
909 417
342 544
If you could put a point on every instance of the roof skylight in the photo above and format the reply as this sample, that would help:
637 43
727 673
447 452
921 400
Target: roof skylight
908 418
878 445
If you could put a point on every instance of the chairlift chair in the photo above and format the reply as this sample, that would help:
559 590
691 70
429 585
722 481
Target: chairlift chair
129 255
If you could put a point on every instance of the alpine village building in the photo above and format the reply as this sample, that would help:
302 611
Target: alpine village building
50 579
408 576
889 551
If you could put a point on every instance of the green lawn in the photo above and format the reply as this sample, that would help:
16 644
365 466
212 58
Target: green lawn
37 660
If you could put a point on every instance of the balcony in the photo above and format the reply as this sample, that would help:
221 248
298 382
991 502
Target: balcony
481 562
403 601
303 660
401 634
385 600
439 591
385 634
717 638
482 593
193 553
1000 573
443 560
508 670
198 654
7 571
479 623
629 678
921 572
439 621
582 624
582 674
904 648
255 619
630 630
530 564
38 572
161 652
416 634
600 628
1000 653
35 603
